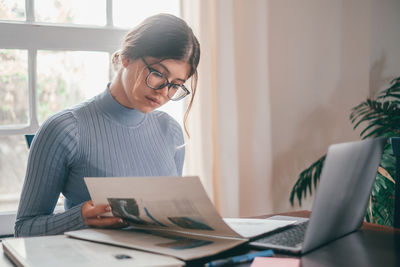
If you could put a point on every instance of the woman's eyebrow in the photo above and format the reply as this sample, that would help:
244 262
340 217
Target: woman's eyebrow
168 72
164 67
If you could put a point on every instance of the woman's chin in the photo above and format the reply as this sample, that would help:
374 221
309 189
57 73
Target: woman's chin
146 109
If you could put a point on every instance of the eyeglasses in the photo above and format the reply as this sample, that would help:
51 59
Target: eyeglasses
156 80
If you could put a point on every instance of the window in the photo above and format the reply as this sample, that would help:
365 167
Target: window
48 63
127 12
12 10
71 11
65 78
14 87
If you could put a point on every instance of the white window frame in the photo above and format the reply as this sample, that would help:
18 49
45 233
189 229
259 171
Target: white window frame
33 36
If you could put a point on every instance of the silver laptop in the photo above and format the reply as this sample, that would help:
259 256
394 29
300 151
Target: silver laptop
340 204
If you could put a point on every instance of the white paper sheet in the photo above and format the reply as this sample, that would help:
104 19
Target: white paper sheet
249 228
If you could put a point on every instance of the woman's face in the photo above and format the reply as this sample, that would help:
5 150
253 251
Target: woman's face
133 77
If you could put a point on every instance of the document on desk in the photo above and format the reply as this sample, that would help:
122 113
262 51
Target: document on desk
167 215
61 251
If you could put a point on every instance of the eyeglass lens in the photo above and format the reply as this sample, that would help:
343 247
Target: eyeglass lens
157 80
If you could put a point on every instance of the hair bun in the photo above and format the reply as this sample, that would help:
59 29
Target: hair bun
115 60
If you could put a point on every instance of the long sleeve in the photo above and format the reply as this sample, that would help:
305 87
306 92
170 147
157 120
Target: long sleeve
53 150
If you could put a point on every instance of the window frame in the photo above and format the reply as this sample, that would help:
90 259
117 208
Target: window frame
57 37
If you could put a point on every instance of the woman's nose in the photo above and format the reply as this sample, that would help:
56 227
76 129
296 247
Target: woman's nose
163 91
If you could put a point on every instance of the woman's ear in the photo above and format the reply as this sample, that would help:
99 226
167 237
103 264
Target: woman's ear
125 62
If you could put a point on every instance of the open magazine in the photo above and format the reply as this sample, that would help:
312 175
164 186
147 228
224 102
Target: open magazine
168 215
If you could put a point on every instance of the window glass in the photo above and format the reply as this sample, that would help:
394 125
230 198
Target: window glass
66 78
13 87
129 13
12 9
13 160
91 12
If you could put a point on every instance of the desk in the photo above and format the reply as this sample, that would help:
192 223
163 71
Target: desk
372 245
4 261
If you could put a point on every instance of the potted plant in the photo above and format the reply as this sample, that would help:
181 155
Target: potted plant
380 116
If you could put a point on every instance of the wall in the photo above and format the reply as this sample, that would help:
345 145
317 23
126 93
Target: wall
315 60
319 57
384 43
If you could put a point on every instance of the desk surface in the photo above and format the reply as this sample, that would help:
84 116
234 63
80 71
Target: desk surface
372 245
4 261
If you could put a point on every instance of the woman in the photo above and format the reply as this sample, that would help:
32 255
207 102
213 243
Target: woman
117 133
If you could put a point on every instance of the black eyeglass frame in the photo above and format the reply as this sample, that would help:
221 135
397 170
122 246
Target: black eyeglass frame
168 83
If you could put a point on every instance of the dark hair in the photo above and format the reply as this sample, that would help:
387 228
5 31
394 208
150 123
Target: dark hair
163 36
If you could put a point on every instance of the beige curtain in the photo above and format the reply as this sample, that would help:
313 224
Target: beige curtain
229 123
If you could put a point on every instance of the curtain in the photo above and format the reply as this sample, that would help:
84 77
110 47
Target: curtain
229 147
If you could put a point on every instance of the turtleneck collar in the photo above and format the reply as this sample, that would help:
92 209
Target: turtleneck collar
115 111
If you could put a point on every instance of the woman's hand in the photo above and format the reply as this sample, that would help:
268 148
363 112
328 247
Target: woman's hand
92 216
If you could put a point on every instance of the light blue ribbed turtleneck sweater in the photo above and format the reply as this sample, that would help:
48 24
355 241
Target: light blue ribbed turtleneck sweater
98 138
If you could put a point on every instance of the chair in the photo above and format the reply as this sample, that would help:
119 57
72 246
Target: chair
395 141
29 139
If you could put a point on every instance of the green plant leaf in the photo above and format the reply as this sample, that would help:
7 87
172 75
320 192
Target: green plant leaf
305 180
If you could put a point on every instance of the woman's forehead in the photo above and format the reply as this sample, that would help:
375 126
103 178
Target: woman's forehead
173 67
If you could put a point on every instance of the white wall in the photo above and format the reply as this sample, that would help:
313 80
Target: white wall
315 59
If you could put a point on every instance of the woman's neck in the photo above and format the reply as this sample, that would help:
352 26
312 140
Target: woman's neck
108 104
117 91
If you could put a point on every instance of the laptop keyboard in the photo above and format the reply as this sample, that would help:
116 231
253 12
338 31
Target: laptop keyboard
289 238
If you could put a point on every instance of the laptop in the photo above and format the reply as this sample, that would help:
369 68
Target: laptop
341 199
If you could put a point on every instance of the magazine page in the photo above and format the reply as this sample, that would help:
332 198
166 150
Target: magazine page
162 203
182 246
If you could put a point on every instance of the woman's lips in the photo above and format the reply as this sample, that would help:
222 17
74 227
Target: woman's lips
153 101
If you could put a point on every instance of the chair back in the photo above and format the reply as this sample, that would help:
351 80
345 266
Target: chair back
29 139
395 141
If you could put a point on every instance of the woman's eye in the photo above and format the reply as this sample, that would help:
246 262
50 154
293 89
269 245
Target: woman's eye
159 74
176 87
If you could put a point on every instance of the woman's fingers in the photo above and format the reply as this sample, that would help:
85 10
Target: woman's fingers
105 222
90 210
92 216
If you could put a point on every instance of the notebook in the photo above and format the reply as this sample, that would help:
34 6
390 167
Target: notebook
341 200
275 262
